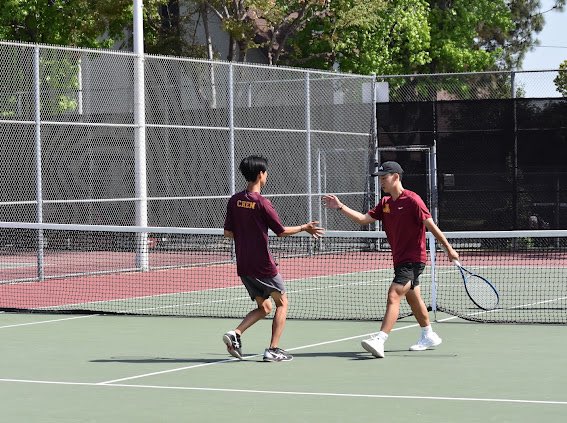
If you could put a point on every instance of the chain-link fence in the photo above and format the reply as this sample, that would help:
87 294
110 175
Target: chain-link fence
471 86
71 141
75 148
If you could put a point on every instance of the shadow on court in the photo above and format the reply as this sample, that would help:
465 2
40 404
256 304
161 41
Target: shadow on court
138 360
361 355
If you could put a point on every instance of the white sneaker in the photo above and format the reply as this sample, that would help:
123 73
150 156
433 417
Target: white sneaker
426 341
374 346
277 354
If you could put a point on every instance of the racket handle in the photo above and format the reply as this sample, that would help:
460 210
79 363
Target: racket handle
457 263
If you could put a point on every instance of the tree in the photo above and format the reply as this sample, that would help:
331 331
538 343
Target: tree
172 32
263 24
422 36
485 34
561 79
236 21
274 28
528 20
365 37
82 23
457 28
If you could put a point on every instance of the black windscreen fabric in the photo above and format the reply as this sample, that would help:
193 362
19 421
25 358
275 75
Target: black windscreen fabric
501 164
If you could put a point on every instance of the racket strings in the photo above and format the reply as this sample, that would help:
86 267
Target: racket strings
481 292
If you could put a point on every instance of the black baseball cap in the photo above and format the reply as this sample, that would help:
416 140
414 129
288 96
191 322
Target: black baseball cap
388 167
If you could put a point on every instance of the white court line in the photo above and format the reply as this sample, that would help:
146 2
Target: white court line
47 321
256 355
6 265
298 393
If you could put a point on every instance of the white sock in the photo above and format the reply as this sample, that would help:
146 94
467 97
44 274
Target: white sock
383 336
427 329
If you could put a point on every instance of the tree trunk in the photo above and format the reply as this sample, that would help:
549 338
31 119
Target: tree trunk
210 55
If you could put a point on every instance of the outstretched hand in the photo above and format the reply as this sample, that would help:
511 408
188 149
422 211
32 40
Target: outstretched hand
331 201
314 230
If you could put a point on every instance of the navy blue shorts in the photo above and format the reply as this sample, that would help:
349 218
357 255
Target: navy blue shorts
408 272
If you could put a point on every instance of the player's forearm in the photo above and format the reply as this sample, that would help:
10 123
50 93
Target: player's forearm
440 237
355 216
292 230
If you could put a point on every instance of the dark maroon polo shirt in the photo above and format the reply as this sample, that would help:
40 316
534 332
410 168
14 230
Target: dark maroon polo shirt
402 221
248 217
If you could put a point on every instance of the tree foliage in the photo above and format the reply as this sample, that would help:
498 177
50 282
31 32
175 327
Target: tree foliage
561 79
422 36
83 23
366 36
461 31
263 24
362 36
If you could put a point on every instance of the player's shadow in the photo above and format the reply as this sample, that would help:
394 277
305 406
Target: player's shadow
352 355
430 353
362 355
141 359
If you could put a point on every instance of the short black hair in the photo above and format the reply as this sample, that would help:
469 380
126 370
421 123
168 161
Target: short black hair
251 166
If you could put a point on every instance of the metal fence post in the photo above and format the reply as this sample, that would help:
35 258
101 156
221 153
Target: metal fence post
142 261
231 129
515 154
373 158
38 169
308 144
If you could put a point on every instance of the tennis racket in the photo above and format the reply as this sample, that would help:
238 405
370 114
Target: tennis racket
480 290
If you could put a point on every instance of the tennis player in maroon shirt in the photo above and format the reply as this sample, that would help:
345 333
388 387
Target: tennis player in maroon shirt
249 215
404 218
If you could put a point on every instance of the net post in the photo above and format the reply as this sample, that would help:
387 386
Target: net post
432 250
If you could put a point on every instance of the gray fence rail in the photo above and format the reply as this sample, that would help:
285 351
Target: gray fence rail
72 149
78 147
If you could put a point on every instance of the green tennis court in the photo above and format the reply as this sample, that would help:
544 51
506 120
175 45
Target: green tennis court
68 356
91 368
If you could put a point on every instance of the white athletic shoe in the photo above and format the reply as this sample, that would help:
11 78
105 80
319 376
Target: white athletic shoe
374 346
426 341
277 354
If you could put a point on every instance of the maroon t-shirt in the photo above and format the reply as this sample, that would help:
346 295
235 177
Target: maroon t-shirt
402 221
248 217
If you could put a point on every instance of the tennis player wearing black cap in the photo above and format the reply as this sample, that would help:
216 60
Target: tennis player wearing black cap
404 217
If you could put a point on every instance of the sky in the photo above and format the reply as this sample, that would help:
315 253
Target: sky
554 34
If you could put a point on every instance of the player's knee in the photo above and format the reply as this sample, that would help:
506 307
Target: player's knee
265 307
394 297
281 302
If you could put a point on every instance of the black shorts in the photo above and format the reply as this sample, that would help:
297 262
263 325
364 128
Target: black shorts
408 272
263 287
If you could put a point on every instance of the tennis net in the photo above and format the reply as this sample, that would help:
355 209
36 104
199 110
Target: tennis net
192 272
